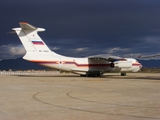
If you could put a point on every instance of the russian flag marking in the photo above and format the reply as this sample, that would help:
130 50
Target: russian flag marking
35 42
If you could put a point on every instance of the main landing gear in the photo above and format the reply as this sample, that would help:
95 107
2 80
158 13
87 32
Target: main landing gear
123 74
98 74
93 74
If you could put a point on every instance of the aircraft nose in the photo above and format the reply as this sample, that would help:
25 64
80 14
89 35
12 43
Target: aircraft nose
140 66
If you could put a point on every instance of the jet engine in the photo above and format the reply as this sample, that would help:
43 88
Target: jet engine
123 64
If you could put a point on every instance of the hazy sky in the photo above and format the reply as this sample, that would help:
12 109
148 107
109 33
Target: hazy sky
125 28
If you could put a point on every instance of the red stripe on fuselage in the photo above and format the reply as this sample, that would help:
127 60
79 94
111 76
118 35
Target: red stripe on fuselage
78 65
136 64
74 63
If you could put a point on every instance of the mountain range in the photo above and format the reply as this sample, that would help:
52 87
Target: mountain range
20 64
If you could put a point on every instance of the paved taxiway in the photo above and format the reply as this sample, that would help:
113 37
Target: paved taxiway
70 97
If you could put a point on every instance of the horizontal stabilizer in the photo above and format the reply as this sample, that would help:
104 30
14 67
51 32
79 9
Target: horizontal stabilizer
25 25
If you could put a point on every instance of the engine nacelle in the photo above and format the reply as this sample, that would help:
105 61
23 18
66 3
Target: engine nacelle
123 64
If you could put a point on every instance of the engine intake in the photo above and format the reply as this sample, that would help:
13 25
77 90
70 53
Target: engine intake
112 65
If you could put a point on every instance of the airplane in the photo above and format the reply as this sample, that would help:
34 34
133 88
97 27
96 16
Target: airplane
38 52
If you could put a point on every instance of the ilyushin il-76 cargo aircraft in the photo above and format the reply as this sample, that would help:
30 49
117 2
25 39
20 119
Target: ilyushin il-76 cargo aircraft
38 52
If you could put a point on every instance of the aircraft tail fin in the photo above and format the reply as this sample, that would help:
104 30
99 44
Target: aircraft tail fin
30 39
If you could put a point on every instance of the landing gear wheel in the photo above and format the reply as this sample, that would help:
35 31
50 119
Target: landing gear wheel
93 74
123 74
83 75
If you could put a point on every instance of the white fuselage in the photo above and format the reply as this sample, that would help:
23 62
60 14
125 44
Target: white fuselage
80 65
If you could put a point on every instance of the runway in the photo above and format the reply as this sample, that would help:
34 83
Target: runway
71 97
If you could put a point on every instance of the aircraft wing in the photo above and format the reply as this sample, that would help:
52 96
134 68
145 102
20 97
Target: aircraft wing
149 56
106 57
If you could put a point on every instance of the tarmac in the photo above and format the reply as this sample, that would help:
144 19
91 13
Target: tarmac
71 97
